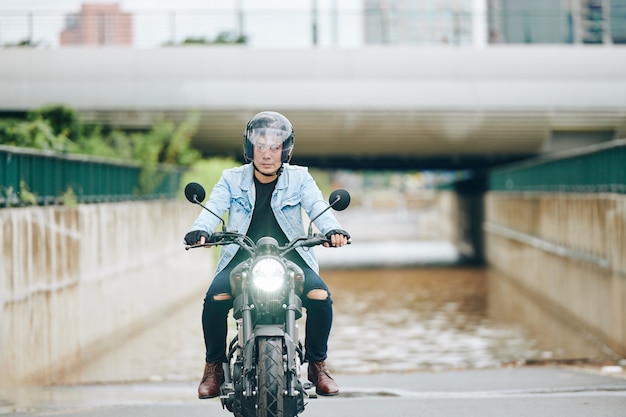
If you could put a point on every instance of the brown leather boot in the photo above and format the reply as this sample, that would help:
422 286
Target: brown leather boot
321 378
211 380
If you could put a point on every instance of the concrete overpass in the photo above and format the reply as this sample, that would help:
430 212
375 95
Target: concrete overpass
381 107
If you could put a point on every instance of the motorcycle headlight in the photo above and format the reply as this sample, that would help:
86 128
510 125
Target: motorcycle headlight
268 274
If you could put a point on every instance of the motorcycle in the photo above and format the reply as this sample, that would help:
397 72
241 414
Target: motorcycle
262 375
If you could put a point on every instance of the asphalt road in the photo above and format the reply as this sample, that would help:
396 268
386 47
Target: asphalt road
512 392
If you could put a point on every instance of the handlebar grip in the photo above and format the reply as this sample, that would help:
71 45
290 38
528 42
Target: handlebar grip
199 245
208 241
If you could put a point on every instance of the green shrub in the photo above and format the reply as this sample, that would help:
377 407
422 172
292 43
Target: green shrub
62 119
59 128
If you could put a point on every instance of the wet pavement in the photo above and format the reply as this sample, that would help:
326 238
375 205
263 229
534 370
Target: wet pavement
515 392
418 319
386 320
434 337
410 338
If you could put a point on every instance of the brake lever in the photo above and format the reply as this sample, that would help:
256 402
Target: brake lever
199 245
212 240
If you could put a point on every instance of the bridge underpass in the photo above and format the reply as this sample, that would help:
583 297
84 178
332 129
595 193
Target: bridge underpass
527 233
376 108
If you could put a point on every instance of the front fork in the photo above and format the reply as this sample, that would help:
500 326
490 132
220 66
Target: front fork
240 372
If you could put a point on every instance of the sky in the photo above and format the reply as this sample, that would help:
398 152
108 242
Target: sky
268 23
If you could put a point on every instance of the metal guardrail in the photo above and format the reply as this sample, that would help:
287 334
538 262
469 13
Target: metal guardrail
29 176
593 169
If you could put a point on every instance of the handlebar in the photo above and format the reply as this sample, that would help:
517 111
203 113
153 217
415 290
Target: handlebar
229 238
225 238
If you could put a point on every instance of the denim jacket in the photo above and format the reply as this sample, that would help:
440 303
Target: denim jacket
295 191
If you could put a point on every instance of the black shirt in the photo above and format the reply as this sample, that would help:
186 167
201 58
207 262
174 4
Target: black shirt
264 222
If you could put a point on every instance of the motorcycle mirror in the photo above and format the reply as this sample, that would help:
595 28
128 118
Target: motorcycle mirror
339 199
195 192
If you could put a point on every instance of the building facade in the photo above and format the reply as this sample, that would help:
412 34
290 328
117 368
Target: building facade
424 22
98 24
557 21
475 22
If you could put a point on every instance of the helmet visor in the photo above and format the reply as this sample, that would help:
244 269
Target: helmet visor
267 138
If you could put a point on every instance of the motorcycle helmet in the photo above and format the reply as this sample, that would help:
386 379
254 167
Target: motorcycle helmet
271 126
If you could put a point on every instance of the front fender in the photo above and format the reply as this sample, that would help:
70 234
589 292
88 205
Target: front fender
265 332
251 343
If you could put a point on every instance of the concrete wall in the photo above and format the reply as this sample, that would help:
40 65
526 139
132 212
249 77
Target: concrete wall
569 251
74 282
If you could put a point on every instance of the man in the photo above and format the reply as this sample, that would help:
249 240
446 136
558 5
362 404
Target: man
265 197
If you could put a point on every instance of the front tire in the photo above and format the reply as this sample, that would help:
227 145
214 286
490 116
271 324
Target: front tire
270 377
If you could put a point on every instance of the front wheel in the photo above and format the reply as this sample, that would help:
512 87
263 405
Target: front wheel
270 377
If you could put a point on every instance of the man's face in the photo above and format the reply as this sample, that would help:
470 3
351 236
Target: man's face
268 154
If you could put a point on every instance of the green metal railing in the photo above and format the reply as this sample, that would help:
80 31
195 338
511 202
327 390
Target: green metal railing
30 176
593 169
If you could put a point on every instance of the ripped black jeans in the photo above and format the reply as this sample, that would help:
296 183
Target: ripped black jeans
319 316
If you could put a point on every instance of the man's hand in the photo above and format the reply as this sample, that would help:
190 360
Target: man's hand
196 237
337 238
